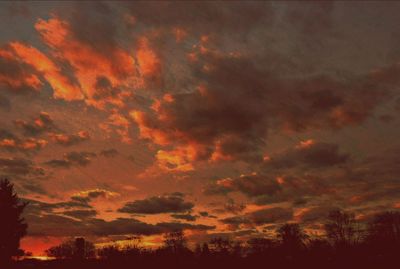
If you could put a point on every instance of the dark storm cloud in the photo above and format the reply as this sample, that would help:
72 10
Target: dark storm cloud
42 123
158 204
72 159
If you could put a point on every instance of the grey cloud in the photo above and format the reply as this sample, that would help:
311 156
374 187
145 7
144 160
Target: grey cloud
187 217
37 126
109 153
158 204
71 159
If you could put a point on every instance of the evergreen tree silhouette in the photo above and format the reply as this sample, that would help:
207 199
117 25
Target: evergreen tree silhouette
12 226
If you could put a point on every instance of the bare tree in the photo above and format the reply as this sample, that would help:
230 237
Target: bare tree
384 230
342 228
175 242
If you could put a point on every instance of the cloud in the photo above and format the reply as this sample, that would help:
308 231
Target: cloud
34 187
61 84
271 215
72 139
122 226
16 76
157 204
205 214
267 188
315 213
17 167
5 104
109 153
73 158
43 123
80 214
237 101
36 206
310 155
231 17
12 143
251 185
49 225
260 217
96 70
93 194
187 217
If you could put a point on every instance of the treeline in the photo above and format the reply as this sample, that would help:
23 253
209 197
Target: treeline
346 243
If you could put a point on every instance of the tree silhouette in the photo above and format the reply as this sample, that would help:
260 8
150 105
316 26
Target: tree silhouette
342 228
73 249
260 245
221 246
12 225
383 233
175 242
292 237
385 227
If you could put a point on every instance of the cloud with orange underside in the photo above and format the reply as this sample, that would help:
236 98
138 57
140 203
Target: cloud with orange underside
15 75
63 88
88 63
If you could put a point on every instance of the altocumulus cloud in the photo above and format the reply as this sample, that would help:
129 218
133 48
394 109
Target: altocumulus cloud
158 204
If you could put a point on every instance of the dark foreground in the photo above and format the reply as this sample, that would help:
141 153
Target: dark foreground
262 261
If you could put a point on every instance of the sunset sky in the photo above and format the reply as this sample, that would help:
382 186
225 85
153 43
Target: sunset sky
218 118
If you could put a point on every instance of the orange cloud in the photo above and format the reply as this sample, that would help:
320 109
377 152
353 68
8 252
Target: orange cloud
88 63
305 144
29 144
62 86
178 159
149 62
16 79
67 140
146 132
121 124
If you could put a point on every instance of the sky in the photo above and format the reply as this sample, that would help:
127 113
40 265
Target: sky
121 119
